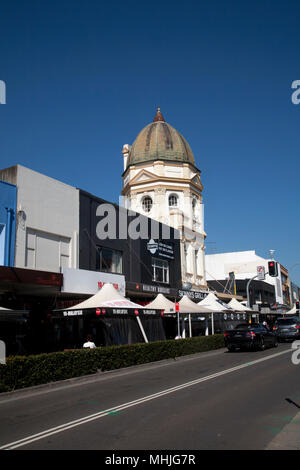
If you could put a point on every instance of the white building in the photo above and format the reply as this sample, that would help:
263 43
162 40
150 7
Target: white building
161 181
47 221
244 266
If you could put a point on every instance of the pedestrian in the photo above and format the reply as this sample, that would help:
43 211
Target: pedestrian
89 343
266 325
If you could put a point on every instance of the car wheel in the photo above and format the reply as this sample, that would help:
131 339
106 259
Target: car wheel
231 348
275 344
262 345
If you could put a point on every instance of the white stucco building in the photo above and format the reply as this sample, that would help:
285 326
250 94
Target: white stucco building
47 220
161 181
244 266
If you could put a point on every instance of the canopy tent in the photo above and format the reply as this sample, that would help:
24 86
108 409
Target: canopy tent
5 309
213 304
14 330
186 305
223 316
162 303
238 307
106 297
118 320
7 314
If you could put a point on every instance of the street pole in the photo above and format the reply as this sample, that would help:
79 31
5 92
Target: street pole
291 292
248 284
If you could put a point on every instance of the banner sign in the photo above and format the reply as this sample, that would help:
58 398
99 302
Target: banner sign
161 249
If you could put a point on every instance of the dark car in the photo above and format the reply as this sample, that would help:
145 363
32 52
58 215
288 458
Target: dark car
287 328
250 336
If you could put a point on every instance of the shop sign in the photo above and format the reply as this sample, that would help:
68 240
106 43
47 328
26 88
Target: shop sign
81 281
161 249
194 295
73 313
156 289
149 312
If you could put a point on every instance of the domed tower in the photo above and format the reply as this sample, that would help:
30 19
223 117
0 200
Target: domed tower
161 181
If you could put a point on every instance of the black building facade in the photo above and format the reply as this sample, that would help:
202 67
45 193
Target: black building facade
116 240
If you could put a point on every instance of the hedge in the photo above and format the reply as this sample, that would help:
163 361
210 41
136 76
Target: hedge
27 371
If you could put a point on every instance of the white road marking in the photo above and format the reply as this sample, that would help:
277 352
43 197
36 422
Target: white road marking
78 422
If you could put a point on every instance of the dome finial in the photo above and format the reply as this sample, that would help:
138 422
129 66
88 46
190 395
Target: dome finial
158 116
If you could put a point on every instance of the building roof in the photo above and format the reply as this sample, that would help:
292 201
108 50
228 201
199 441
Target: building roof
160 141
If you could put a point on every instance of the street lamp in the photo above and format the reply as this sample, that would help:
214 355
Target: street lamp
185 286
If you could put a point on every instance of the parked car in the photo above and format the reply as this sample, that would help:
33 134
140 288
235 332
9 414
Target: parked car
287 329
250 336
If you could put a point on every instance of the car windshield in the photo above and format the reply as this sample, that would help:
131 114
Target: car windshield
286 321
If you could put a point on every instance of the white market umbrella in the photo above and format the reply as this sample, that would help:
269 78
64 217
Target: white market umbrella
213 304
186 305
162 303
236 305
106 297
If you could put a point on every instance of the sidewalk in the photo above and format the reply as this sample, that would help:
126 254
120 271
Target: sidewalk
288 438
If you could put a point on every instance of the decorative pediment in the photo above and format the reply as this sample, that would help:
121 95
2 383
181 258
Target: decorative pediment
143 176
196 181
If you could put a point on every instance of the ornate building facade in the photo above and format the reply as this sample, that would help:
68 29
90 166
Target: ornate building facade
161 181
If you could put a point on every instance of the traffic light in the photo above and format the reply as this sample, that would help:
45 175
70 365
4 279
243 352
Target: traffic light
273 271
297 305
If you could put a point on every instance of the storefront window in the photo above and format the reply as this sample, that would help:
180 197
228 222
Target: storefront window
160 269
109 260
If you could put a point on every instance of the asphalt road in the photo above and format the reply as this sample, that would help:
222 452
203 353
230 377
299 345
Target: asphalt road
209 401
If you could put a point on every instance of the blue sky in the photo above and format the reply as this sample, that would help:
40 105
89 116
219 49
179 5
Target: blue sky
84 77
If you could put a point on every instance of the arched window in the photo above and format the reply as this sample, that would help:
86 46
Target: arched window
194 205
147 204
173 200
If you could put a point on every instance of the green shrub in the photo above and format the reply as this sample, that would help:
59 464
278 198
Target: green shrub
26 371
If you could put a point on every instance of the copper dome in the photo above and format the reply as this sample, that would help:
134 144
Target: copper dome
160 141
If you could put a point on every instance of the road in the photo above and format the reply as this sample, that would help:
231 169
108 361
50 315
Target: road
214 400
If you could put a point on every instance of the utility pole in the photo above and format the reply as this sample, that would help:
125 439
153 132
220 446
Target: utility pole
248 284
